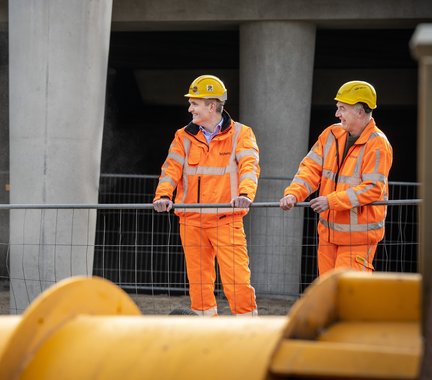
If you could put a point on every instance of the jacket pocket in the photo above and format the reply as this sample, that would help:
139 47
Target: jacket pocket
194 155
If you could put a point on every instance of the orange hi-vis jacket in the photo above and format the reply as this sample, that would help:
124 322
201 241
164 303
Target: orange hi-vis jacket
349 185
210 173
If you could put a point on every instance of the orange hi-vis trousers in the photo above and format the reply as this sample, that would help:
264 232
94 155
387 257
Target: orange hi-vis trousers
227 242
357 257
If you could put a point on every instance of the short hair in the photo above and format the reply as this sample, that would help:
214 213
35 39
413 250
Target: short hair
219 104
366 108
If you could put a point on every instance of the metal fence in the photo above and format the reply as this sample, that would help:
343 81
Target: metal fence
140 250
157 236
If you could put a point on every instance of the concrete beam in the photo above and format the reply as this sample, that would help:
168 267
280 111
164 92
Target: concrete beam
205 14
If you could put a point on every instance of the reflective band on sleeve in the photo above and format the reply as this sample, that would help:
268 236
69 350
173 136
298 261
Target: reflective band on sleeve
339 227
233 164
375 177
366 188
315 157
377 159
167 179
251 176
176 157
301 181
328 145
247 152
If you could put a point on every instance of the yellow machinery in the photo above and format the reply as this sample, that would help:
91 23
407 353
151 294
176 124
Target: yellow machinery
348 325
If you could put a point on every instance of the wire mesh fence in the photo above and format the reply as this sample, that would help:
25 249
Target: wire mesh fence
122 239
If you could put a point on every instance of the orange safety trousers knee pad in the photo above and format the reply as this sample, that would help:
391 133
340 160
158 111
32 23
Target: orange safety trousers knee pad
357 257
227 243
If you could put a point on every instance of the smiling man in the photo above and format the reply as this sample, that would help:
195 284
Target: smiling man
349 164
213 160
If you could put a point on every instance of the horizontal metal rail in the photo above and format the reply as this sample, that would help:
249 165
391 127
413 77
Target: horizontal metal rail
146 206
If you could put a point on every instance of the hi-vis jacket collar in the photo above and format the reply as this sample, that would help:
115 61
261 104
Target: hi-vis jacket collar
338 132
193 129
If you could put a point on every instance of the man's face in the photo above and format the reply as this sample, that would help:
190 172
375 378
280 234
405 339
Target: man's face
199 110
349 116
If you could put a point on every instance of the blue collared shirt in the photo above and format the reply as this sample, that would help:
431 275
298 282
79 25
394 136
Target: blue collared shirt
209 135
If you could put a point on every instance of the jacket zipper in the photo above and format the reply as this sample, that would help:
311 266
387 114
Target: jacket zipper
199 189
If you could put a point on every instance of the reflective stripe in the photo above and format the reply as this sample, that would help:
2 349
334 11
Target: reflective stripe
328 145
357 166
377 159
352 197
186 146
207 170
339 227
301 181
247 152
349 180
176 157
315 157
378 134
329 174
251 176
253 313
365 189
233 164
364 262
212 312
354 215
212 210
375 177
167 179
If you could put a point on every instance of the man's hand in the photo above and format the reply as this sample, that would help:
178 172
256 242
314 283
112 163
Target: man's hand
163 204
319 204
288 202
241 202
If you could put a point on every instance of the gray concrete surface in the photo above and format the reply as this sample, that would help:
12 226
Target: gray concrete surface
58 52
276 71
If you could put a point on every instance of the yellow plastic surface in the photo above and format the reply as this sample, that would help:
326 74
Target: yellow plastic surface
348 325
352 325
331 360
379 297
165 347
55 307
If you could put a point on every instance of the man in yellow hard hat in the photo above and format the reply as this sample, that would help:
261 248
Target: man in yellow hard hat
349 164
213 160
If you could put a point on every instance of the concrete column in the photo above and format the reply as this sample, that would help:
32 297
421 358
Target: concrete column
58 53
421 46
276 71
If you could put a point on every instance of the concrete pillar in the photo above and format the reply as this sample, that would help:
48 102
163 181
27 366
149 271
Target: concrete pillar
421 46
276 71
58 53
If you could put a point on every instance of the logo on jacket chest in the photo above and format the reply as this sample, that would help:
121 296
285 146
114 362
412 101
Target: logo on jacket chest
224 153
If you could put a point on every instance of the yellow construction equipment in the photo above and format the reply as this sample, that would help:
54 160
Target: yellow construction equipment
348 325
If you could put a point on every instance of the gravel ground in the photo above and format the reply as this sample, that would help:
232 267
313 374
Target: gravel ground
164 304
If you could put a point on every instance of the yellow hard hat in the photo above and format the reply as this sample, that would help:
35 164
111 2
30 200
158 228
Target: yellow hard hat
357 91
207 87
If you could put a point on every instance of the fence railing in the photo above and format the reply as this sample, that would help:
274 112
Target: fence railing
124 240
140 250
